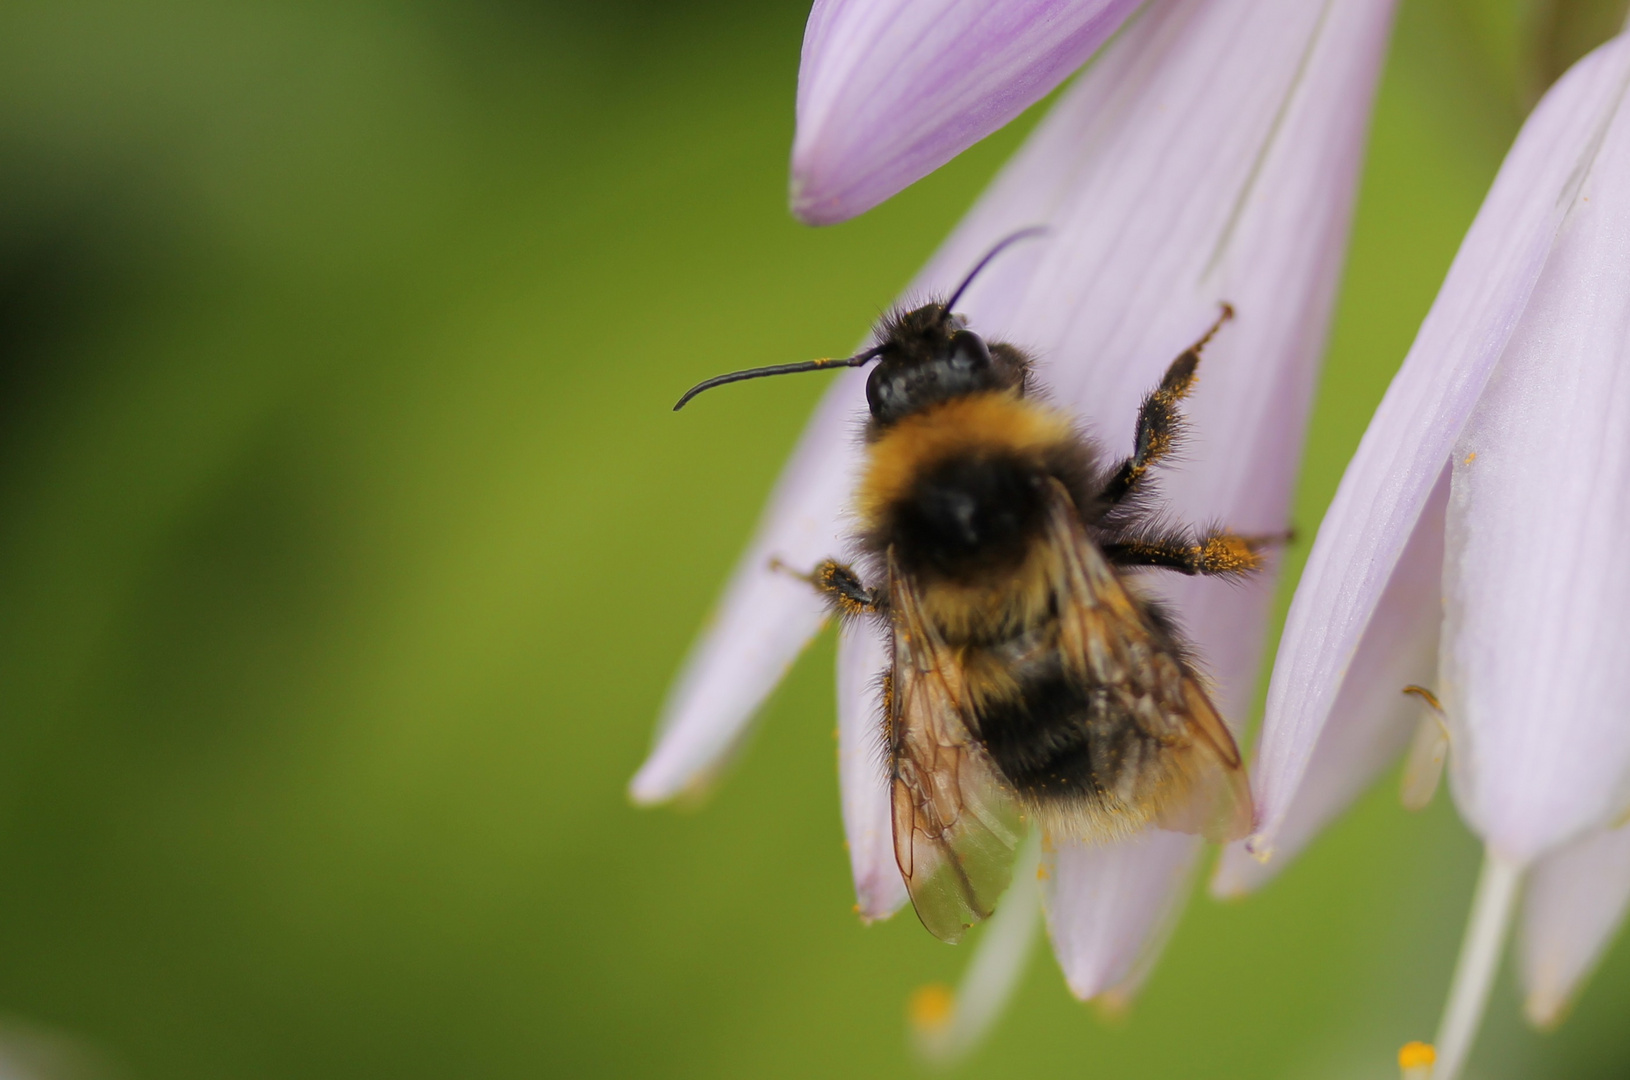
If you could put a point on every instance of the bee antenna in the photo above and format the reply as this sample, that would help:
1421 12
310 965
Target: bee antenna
1005 242
856 360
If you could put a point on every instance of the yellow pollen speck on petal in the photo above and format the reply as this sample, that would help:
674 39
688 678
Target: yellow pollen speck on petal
1043 872
1415 1061
931 1006
1471 457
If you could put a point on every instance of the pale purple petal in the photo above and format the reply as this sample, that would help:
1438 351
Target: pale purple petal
1373 719
1108 906
890 90
766 616
1408 441
1237 185
1536 582
1575 903
867 823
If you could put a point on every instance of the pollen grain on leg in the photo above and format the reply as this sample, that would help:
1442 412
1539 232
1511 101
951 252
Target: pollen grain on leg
1415 1061
1228 554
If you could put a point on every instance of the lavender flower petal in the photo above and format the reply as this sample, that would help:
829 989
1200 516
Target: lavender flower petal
1372 720
766 616
1238 188
1403 451
1109 905
1534 674
890 91
1576 901
868 823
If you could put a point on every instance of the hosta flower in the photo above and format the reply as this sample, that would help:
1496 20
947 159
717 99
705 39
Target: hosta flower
1211 153
1514 406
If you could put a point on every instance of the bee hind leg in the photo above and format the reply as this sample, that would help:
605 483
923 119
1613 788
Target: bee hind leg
1160 425
1217 552
841 586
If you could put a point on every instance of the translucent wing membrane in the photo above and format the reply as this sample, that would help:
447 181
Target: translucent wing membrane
1183 772
956 825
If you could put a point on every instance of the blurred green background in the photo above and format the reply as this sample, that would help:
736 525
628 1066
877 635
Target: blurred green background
347 546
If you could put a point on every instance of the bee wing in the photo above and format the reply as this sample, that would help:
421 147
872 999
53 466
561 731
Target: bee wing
955 823
1194 781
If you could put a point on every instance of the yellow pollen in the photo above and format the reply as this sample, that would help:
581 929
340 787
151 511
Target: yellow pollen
931 1006
1415 1060
1471 457
1415 1054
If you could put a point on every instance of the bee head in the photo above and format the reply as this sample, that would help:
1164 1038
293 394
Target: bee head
925 356
928 356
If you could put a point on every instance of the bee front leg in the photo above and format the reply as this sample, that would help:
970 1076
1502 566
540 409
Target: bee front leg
1218 553
841 586
1160 425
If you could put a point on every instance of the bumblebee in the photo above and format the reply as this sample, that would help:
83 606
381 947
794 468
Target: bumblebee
1031 678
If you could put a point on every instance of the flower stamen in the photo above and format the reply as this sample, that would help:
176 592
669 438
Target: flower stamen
1423 768
1492 907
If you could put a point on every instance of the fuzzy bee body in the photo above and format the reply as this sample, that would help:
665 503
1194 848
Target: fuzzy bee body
1056 690
1030 679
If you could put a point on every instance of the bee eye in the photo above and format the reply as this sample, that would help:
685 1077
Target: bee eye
902 383
968 352
888 392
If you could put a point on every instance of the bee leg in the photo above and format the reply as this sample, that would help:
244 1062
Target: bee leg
1215 553
840 585
1160 425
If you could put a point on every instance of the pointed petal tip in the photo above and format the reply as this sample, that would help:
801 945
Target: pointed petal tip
642 793
1241 871
890 91
651 786
813 206
1227 885
645 789
817 214
1573 909
1088 992
871 913
880 898
1546 1007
